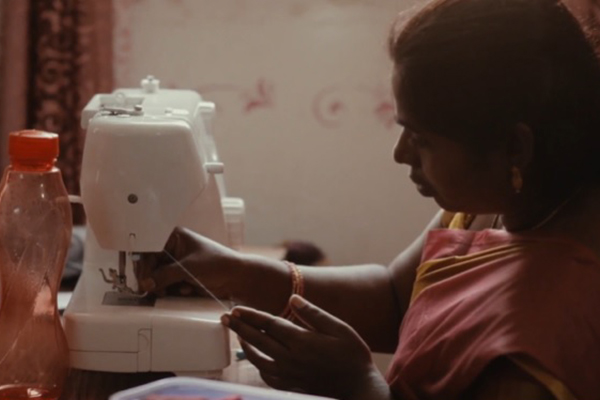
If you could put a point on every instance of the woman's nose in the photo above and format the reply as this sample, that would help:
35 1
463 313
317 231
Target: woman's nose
404 152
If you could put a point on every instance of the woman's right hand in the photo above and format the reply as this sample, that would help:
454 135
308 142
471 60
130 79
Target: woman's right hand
207 261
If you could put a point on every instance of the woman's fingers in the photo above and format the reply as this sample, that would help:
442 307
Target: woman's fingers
278 328
180 241
162 277
276 374
259 359
289 356
267 333
317 318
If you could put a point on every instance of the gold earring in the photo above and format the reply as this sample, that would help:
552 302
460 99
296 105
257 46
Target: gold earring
516 179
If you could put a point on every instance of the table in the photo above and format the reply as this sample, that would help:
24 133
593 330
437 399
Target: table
91 385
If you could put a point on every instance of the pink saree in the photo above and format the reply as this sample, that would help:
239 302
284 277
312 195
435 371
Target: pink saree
488 294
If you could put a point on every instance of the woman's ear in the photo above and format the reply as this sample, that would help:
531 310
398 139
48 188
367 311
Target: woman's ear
521 144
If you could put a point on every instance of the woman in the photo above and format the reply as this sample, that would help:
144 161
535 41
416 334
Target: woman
498 101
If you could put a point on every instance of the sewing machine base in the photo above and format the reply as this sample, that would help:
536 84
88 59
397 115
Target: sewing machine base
181 335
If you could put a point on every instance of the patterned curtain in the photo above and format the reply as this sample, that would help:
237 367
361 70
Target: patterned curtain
14 70
68 59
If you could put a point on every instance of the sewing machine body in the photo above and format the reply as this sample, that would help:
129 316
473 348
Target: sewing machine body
149 165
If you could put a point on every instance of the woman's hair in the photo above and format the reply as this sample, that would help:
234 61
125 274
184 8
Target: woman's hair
470 69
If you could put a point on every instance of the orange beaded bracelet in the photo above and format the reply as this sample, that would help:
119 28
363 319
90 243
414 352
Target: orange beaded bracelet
297 288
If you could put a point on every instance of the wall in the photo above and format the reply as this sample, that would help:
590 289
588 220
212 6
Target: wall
305 117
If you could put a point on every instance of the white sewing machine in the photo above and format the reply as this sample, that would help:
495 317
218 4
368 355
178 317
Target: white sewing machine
149 164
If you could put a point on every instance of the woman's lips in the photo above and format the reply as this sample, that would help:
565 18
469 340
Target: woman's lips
422 186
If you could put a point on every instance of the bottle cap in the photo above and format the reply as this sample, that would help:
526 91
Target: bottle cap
32 147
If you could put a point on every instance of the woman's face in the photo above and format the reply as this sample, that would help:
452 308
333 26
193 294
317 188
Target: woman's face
455 175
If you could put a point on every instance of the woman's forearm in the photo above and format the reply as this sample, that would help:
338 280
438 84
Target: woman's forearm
363 295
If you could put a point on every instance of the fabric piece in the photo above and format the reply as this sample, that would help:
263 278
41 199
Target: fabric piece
558 389
461 221
531 367
525 295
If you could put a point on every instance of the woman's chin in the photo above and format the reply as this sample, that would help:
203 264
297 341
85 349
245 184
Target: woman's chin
428 192
424 190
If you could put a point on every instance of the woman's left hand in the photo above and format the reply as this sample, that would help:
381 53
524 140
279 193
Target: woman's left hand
327 358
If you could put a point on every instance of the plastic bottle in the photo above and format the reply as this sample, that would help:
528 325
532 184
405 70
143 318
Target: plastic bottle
35 231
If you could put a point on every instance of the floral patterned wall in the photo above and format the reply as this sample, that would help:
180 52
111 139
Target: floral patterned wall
305 116
304 112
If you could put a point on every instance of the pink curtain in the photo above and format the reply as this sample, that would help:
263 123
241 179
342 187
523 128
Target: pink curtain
56 54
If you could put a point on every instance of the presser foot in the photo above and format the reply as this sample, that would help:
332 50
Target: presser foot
119 283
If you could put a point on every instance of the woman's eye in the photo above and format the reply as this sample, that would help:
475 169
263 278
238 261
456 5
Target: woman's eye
416 139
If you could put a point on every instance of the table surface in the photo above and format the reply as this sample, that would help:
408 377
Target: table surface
92 385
